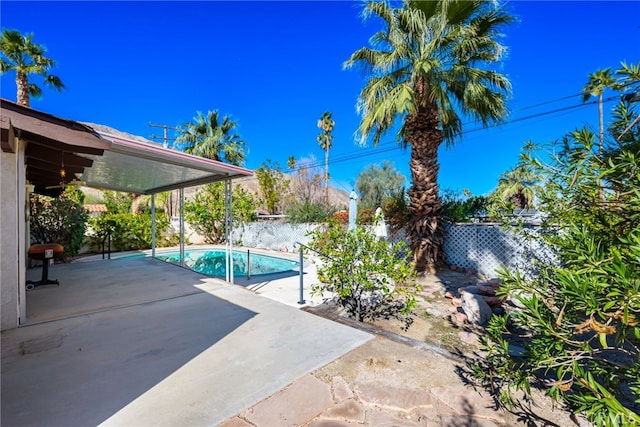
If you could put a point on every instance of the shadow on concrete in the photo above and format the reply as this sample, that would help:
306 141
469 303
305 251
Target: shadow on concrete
85 369
261 280
136 341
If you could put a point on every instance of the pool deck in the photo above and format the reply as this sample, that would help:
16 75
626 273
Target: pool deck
136 341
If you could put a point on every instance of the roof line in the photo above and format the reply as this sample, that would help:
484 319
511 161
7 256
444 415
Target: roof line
155 152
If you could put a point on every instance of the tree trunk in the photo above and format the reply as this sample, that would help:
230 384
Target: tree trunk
326 176
424 230
22 83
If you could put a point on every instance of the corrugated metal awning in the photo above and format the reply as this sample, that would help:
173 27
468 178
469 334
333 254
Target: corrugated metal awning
100 159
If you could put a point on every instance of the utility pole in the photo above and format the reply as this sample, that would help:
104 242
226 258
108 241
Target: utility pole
165 144
165 138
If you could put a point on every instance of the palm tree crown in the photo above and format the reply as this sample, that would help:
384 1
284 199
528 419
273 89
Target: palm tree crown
596 85
519 185
426 69
26 58
209 137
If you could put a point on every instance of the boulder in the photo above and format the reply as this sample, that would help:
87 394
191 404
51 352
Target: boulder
476 309
473 289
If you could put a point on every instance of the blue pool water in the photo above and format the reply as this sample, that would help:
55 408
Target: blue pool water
212 262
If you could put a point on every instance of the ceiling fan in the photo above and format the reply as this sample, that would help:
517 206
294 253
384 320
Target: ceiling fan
63 184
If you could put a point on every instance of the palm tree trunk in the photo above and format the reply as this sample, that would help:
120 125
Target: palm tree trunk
601 142
326 176
424 231
22 83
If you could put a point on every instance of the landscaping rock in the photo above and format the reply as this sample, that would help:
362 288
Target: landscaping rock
459 318
473 289
486 289
493 301
476 309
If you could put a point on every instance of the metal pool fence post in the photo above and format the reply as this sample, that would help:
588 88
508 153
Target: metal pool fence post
248 265
301 301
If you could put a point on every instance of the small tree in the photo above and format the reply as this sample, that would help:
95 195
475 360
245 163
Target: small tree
368 276
274 186
376 184
206 212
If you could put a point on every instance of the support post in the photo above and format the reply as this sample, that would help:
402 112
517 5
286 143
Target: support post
153 225
301 300
181 196
228 230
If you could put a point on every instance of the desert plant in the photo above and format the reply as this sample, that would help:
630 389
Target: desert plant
370 278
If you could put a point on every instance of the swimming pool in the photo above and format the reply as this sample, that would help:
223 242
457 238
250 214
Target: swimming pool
212 262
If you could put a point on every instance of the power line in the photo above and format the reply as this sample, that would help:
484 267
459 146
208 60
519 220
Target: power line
394 145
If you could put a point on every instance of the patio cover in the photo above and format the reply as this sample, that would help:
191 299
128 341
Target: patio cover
101 160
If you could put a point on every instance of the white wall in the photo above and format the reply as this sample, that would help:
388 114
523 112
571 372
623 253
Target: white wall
9 251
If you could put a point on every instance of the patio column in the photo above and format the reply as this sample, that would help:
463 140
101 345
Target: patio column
228 230
153 225
181 195
23 239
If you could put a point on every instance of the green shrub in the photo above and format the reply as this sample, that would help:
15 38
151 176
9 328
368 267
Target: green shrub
460 208
61 220
369 277
128 231
307 211
581 316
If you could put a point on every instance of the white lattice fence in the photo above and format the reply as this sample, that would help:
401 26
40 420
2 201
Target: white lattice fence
485 247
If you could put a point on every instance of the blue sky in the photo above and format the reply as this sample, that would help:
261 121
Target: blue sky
275 67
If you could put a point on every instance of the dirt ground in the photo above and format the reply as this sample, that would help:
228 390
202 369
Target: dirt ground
431 353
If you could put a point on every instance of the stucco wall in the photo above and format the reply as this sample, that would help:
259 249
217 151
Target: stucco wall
9 262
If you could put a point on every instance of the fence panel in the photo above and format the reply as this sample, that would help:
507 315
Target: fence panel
278 236
483 247
486 247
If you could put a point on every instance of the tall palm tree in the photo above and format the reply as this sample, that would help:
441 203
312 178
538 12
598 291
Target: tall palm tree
519 185
596 85
426 68
26 58
325 139
208 136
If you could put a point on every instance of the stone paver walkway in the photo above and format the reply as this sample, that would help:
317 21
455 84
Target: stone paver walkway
312 402
370 386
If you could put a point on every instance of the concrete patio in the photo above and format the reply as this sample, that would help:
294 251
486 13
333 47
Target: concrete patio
135 341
